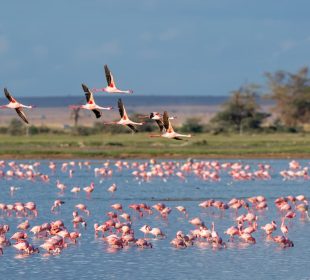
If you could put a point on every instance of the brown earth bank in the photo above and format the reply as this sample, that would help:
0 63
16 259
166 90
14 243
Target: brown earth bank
146 156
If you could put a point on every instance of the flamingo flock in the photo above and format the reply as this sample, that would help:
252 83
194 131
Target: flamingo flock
163 121
140 224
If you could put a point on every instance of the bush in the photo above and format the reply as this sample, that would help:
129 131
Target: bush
83 130
44 129
3 130
16 127
33 130
192 125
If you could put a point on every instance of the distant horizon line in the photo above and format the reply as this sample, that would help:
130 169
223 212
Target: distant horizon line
129 99
118 95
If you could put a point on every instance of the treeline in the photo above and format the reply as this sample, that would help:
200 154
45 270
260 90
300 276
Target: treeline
290 93
17 127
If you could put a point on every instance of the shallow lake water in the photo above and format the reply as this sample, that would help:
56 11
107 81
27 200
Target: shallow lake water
92 258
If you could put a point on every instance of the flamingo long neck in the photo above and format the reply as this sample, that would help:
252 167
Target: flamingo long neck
184 135
27 106
137 123
99 89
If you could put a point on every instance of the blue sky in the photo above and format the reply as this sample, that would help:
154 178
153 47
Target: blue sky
155 47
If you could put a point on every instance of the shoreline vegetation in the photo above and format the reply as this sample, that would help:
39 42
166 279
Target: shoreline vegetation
140 145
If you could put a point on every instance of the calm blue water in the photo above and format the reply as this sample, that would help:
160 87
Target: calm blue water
90 258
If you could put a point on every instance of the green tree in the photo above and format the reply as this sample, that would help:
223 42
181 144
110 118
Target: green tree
241 111
291 93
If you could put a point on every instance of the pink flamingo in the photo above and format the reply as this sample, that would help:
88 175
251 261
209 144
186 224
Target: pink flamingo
57 204
82 207
111 88
125 121
283 227
157 232
90 105
112 188
24 225
182 209
89 189
169 131
16 105
231 232
270 228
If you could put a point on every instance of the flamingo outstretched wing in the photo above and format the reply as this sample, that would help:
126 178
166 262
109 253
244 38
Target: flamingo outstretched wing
160 125
22 115
167 123
88 94
109 76
132 127
97 113
121 108
8 95
90 100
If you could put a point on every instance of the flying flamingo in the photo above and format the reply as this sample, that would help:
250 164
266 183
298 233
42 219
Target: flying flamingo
111 88
169 132
124 118
16 105
90 105
158 118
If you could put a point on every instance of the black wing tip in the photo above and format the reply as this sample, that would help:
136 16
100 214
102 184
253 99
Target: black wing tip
97 113
133 128
85 88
